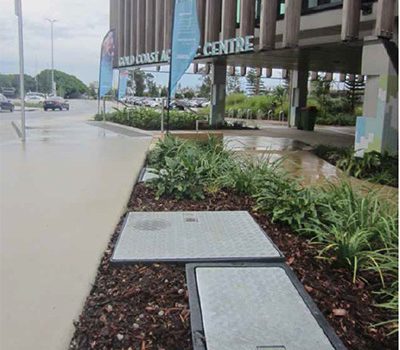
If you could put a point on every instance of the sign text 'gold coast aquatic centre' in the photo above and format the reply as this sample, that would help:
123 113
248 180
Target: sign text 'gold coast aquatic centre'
216 48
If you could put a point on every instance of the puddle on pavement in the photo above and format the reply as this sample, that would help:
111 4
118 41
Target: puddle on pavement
263 143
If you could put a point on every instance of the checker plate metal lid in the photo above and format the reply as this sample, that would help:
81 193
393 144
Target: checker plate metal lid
193 236
255 308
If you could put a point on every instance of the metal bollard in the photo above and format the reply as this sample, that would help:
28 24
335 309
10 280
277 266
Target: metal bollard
162 116
281 116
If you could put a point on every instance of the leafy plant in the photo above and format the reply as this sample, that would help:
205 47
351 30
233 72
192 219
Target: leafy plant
247 175
373 166
350 227
287 202
187 169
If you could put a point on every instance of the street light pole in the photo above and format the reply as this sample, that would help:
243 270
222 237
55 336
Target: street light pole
52 21
18 13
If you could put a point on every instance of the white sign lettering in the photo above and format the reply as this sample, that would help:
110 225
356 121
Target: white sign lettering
215 48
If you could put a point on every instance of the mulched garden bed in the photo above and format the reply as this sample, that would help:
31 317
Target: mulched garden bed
145 307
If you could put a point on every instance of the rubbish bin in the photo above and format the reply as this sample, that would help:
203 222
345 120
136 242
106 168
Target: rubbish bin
307 118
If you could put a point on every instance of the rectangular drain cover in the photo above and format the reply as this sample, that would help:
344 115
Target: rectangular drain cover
193 237
255 306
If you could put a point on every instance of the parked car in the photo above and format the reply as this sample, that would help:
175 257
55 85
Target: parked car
54 103
6 104
34 98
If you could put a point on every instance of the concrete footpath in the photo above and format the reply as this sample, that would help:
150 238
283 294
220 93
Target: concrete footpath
61 196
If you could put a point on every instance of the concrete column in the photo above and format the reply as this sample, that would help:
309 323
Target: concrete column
377 128
133 27
150 25
121 28
247 17
269 10
141 26
292 23
113 14
218 94
159 40
385 19
314 76
201 13
213 20
351 19
229 8
328 76
127 31
167 23
297 93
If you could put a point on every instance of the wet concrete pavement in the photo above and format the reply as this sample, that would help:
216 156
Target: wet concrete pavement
300 162
61 196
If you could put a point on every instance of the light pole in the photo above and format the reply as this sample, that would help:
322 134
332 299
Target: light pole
18 13
53 87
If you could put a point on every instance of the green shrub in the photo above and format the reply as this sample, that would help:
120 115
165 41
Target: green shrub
247 174
350 226
150 119
287 202
187 169
233 99
373 166
239 104
336 119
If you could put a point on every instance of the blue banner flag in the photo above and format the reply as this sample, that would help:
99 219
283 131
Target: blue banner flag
122 83
106 64
185 40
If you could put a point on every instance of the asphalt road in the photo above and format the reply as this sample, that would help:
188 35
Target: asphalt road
79 109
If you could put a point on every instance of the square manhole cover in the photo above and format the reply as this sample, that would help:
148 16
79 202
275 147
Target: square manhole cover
255 306
193 237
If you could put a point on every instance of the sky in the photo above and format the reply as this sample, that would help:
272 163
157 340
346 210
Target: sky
78 33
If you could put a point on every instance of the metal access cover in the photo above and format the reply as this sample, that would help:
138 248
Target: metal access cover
254 306
193 237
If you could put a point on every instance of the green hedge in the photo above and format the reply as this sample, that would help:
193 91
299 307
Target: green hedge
150 119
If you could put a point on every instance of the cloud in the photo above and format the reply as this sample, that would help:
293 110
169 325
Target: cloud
78 34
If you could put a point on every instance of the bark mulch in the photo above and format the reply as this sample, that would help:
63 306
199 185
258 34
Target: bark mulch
145 307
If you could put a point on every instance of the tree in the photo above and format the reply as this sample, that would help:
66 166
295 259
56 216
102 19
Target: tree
93 89
354 91
67 85
321 92
138 79
12 81
233 84
255 84
205 87
280 95
188 92
152 89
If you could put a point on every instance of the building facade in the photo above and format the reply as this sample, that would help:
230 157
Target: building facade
300 36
